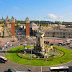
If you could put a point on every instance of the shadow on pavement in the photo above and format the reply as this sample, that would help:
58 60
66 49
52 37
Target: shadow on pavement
5 71
70 68
3 51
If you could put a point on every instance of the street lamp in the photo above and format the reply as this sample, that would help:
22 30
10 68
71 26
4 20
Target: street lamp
41 68
31 54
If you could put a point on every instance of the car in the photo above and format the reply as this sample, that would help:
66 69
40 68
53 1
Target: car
51 44
7 43
11 44
46 42
21 44
10 70
59 69
62 44
6 46
67 43
23 71
1 48
18 44
3 59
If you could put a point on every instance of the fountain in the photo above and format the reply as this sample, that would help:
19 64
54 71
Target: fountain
40 49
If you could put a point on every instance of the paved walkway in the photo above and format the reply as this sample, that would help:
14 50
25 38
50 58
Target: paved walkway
4 40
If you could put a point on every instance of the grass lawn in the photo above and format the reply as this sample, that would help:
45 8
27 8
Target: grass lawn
14 58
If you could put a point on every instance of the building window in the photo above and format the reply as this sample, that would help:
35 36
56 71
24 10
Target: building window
53 32
48 32
61 33
57 32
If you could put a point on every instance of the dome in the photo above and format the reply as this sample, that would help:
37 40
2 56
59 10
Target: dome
32 25
27 20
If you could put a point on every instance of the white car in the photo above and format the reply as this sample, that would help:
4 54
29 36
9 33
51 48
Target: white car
7 42
5 45
11 44
18 44
3 48
3 59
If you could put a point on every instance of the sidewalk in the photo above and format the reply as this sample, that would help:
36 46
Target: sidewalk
4 40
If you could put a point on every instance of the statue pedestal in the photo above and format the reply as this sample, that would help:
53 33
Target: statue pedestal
45 56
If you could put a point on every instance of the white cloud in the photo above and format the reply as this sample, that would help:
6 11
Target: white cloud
15 8
52 16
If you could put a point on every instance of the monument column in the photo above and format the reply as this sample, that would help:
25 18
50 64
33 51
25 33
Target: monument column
27 27
12 27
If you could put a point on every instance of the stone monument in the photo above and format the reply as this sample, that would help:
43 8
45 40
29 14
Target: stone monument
39 41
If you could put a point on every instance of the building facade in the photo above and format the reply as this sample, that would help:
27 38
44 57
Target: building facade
7 21
1 31
58 33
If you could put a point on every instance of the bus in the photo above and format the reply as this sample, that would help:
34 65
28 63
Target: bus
59 69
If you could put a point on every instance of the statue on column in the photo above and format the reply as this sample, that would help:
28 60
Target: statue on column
39 40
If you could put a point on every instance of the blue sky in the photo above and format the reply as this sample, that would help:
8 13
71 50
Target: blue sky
51 10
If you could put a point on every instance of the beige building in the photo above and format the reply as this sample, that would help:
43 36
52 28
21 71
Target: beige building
34 26
65 32
57 31
7 21
1 31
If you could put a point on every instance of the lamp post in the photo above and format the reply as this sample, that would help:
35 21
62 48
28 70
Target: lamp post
41 68
31 54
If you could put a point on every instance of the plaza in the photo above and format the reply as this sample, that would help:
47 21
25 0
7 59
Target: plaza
21 67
